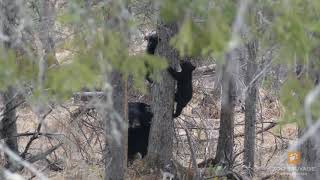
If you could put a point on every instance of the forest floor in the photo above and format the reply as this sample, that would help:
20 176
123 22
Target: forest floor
80 156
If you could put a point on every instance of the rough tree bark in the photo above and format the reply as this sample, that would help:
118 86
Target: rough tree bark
250 109
310 156
224 154
46 30
8 128
117 131
162 92
310 153
116 126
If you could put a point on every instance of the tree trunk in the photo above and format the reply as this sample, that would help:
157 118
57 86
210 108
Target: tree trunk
8 125
117 131
8 128
162 92
250 109
224 152
310 156
116 116
46 29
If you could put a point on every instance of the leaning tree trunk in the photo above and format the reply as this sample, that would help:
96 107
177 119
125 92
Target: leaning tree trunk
162 92
8 128
250 109
224 154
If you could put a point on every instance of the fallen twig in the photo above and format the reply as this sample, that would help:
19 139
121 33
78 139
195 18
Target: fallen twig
270 126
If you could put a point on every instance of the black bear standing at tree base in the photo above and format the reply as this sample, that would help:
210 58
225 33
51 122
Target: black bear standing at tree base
184 86
140 117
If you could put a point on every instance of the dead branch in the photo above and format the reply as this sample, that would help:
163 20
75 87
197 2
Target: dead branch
193 156
39 134
270 126
205 70
86 96
35 135
228 174
13 108
24 163
43 155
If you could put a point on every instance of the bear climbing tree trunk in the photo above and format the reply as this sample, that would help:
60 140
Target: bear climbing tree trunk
162 92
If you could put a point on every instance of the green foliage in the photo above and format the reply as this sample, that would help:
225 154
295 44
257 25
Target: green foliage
295 27
292 97
87 66
8 69
71 15
116 53
138 68
97 49
105 51
70 78
77 14
209 37
267 82
180 9
211 170
101 48
187 38
173 10
205 30
15 69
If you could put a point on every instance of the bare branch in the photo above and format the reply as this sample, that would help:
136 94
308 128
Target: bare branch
270 126
24 163
44 154
193 156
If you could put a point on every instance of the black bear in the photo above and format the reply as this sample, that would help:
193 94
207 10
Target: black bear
140 117
184 85
153 41
184 78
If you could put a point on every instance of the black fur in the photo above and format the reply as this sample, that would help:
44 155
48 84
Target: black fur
153 41
140 117
184 86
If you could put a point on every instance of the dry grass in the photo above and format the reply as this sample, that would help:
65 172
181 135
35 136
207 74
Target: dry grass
80 156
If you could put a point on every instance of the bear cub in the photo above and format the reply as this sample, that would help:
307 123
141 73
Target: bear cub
184 89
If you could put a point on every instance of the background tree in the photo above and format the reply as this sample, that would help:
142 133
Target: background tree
9 20
250 108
